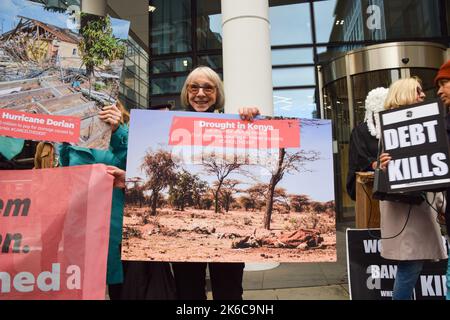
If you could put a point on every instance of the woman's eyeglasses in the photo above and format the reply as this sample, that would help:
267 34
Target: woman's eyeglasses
207 88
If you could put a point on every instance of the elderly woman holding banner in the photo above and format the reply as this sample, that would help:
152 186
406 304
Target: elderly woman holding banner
203 92
410 233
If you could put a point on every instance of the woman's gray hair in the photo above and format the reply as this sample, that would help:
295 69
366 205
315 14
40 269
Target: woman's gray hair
213 77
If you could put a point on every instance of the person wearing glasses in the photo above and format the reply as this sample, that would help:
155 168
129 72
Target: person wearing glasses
410 233
442 81
203 92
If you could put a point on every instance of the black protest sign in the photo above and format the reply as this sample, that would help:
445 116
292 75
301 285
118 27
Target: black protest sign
371 277
416 139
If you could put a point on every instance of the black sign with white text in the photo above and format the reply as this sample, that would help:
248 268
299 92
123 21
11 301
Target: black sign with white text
416 139
371 277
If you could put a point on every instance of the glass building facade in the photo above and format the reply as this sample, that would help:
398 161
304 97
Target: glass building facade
306 39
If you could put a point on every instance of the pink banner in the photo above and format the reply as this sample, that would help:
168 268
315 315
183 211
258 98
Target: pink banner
258 134
18 124
54 231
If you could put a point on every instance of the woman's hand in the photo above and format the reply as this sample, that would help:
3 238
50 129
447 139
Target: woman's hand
119 176
384 161
111 115
248 113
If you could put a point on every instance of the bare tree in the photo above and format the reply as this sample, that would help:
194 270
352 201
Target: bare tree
295 162
221 169
160 170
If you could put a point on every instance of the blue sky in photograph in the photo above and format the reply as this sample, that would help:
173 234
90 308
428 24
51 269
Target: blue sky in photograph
151 129
10 9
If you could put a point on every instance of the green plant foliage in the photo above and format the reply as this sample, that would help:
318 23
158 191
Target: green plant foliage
98 44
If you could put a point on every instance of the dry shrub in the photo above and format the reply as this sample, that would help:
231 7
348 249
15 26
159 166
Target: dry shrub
322 223
131 232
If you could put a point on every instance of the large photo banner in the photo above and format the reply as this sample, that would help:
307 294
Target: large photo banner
57 70
416 138
371 277
54 233
210 187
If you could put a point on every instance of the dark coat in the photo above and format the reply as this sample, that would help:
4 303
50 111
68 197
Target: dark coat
362 151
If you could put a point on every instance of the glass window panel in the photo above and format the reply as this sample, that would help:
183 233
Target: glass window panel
363 83
167 85
170 26
293 76
209 24
290 24
324 18
129 79
213 61
292 56
143 102
143 63
377 20
128 62
294 103
172 65
143 88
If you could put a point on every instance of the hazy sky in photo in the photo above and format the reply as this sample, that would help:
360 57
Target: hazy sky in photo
151 129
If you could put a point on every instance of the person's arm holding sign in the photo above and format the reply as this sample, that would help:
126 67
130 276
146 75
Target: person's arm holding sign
384 161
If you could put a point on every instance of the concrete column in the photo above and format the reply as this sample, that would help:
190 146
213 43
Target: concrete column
97 7
247 63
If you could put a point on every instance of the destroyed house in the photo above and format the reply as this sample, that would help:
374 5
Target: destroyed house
34 40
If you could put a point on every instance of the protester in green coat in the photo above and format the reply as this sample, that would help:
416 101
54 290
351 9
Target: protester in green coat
115 156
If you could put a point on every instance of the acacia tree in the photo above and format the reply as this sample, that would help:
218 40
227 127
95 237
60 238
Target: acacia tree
294 162
187 191
98 43
180 193
300 202
227 192
246 202
221 169
135 191
160 170
199 190
257 193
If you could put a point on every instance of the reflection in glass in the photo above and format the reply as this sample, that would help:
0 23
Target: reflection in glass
363 83
170 26
209 24
290 24
383 20
324 17
213 61
337 109
301 76
292 56
172 65
297 103
167 85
